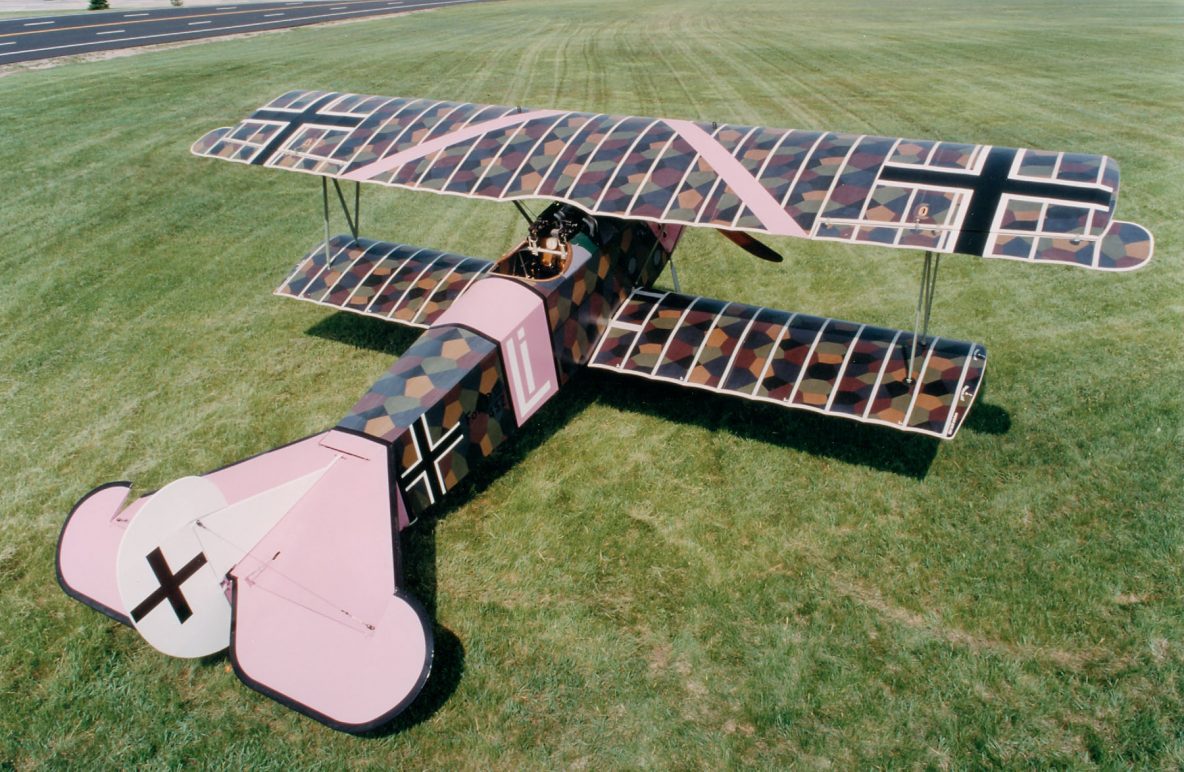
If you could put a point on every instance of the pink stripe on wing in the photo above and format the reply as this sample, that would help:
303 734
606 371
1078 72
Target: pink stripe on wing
754 195
369 171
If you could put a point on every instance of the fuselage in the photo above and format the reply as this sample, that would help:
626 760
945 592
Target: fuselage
505 347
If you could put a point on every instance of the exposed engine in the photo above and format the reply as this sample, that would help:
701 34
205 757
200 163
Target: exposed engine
546 253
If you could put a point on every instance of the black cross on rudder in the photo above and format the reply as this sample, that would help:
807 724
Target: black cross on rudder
170 586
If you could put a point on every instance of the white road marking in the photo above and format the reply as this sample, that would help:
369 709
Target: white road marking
111 32
37 23
226 8
132 15
195 23
10 43
269 15
234 27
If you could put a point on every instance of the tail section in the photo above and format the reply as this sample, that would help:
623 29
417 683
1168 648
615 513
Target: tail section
290 559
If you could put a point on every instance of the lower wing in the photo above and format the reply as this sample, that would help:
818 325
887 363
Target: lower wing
396 282
857 371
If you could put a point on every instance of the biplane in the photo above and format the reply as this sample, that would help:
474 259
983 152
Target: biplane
291 559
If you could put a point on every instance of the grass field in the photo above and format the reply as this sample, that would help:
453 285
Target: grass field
643 577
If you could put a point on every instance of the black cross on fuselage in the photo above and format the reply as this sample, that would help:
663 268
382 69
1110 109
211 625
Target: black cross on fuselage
296 120
170 586
430 455
987 190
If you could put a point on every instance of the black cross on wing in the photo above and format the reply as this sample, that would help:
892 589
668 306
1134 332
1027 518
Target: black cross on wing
294 120
987 189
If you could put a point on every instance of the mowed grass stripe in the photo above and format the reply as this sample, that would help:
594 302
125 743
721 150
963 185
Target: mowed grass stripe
645 576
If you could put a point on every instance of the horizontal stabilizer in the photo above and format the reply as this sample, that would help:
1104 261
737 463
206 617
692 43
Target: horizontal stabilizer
1031 205
88 545
396 282
290 557
829 366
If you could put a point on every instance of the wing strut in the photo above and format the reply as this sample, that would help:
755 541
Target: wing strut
353 220
924 303
673 273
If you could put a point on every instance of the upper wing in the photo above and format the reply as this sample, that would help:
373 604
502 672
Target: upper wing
396 282
830 366
949 197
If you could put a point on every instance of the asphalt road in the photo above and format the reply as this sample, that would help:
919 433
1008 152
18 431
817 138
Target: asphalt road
27 39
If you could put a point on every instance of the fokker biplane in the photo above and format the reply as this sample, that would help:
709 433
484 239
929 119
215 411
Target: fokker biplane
291 558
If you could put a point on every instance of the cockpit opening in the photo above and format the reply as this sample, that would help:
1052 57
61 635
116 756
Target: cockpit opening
547 250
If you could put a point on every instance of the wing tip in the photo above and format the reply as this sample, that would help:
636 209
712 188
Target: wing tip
979 352
204 146
1127 246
